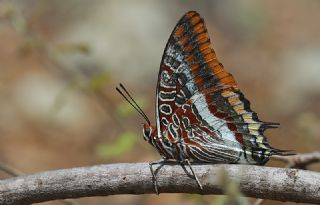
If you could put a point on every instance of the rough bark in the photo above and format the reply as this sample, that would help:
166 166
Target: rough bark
282 184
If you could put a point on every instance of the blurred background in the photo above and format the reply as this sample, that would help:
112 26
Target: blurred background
60 62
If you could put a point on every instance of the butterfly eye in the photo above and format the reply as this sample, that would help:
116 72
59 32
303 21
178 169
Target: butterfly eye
147 132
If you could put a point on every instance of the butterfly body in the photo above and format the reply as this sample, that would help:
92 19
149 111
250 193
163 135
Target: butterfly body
201 114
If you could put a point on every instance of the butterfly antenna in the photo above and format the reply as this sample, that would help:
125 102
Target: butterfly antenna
132 102
136 104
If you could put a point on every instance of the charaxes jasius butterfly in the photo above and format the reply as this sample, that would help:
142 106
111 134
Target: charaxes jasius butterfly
201 114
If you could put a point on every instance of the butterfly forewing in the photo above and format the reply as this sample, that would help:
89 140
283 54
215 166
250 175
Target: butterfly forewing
200 108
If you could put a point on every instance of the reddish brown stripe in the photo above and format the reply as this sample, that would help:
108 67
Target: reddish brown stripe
167 68
239 137
221 115
190 142
232 127
212 108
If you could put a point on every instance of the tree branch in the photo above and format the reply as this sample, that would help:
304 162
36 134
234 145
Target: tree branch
261 182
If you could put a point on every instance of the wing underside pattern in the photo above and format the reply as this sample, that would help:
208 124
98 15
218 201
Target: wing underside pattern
200 108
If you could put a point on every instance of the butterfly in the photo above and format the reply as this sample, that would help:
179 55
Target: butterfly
201 114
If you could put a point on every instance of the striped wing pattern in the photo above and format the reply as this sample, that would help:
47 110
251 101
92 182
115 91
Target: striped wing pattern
201 113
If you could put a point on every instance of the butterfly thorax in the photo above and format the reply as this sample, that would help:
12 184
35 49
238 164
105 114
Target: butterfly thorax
166 147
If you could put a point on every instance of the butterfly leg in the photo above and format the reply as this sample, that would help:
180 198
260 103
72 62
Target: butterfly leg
195 176
155 183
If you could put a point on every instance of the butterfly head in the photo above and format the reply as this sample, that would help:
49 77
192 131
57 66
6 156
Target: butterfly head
149 132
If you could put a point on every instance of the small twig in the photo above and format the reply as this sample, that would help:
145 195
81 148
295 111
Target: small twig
300 161
10 170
